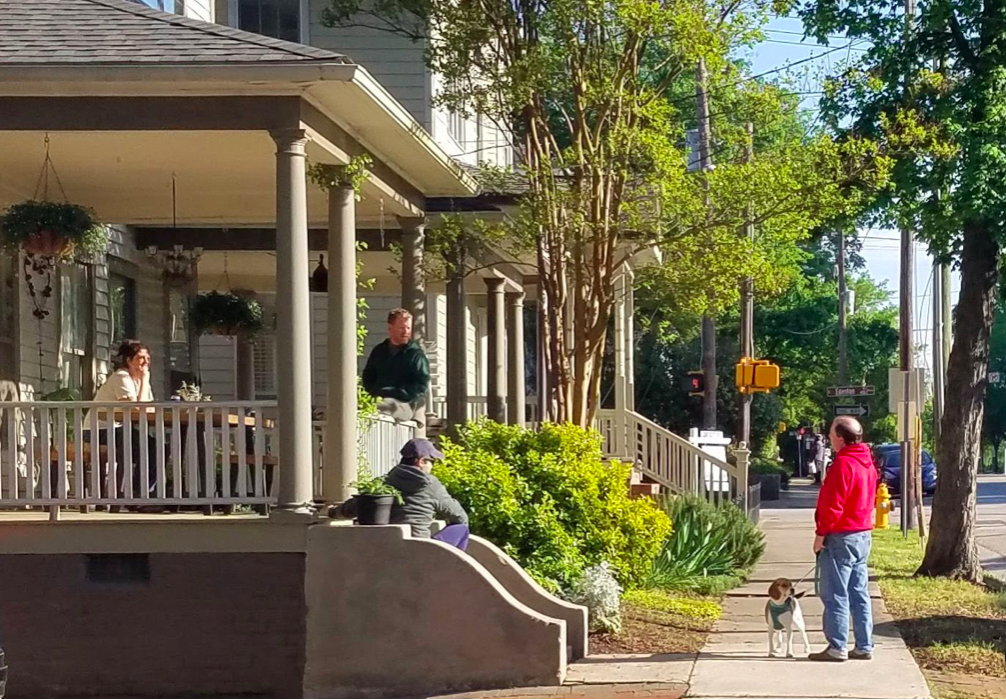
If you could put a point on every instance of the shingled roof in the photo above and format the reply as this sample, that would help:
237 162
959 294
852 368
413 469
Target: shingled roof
117 32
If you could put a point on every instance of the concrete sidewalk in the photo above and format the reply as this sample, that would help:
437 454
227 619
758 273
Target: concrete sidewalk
734 661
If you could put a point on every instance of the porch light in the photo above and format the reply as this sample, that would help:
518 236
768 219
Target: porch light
176 264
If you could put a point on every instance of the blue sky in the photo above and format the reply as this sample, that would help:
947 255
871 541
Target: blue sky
881 248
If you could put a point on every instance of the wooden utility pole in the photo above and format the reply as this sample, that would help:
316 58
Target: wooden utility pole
905 327
747 305
939 377
708 323
843 311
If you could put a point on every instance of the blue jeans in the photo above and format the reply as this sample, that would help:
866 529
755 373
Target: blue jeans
844 576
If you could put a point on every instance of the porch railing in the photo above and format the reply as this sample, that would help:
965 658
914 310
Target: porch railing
87 453
668 459
381 440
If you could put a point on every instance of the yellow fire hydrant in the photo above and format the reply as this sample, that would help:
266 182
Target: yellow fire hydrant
883 506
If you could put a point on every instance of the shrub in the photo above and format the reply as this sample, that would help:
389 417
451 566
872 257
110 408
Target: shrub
551 502
708 541
599 592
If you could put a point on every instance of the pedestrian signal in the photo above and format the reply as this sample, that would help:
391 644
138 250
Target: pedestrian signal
695 383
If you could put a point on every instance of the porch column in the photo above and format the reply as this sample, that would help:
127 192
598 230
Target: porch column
516 392
457 346
630 339
496 384
414 291
293 303
413 283
341 442
621 383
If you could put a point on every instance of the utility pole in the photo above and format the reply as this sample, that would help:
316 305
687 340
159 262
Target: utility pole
843 311
906 331
708 323
747 304
939 379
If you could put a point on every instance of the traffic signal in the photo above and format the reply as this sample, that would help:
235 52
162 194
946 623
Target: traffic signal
695 383
753 375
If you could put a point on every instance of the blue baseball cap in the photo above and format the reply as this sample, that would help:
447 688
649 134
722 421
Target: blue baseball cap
421 448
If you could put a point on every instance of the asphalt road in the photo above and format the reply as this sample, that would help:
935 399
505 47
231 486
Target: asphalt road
991 528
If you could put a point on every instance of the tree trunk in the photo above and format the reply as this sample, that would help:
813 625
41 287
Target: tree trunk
952 550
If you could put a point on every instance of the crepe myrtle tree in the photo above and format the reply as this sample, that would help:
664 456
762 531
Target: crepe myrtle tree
586 93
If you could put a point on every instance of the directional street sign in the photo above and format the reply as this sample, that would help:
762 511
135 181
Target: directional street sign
837 391
856 410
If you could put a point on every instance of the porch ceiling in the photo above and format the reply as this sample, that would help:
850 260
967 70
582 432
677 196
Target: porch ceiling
222 177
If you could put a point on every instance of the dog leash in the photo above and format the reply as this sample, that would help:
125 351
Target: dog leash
805 576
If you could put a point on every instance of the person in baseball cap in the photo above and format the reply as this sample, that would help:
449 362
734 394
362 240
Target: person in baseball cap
424 498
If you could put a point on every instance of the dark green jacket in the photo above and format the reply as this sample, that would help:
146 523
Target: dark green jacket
404 375
425 499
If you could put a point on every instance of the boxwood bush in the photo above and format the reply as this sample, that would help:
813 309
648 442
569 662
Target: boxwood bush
550 500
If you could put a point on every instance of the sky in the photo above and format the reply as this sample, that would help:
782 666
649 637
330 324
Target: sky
784 45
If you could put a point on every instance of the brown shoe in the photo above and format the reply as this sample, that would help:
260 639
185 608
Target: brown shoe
828 654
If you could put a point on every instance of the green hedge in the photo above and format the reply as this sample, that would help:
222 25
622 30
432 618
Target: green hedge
551 502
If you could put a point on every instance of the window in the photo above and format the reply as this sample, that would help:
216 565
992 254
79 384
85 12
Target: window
75 327
175 6
122 308
279 19
456 127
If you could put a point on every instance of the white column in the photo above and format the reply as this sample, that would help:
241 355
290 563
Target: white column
621 364
496 384
341 443
293 303
516 391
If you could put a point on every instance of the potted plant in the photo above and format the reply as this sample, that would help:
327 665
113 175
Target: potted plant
52 229
374 498
225 313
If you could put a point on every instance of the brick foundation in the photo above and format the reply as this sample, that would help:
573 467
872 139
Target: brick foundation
157 625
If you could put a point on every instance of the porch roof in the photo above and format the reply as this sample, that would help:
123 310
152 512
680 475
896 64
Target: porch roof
131 96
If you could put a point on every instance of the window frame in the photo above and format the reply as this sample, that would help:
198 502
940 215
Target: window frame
82 362
304 19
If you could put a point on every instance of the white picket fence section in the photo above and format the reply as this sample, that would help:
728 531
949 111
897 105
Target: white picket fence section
86 453
381 440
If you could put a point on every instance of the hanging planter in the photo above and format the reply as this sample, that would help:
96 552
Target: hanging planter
225 313
52 230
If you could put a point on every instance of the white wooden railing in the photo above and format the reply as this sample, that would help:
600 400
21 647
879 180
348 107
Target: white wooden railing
85 453
381 440
478 407
668 459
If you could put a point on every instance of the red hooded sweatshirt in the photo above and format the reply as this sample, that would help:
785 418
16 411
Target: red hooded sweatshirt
847 498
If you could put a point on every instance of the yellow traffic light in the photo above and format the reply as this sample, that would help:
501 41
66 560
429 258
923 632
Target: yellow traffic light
753 376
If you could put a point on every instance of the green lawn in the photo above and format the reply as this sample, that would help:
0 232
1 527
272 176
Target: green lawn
956 630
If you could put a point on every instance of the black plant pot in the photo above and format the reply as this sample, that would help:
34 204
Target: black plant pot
769 486
373 510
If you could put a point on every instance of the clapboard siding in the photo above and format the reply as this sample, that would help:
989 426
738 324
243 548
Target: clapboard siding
217 367
199 9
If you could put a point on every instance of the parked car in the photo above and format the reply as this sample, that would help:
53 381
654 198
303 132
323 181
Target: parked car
887 457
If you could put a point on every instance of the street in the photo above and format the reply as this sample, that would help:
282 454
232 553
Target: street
991 530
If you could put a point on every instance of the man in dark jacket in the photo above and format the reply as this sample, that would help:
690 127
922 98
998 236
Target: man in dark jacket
424 498
844 520
397 372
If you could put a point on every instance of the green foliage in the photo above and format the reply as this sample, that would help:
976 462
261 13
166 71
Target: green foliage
995 398
225 313
658 599
354 174
708 540
368 485
76 223
551 502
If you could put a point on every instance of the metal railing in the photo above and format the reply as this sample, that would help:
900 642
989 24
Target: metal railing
87 453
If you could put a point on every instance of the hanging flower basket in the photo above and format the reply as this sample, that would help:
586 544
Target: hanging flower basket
52 230
225 313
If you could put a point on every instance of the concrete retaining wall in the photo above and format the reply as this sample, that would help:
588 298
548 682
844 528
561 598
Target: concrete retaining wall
389 615
524 588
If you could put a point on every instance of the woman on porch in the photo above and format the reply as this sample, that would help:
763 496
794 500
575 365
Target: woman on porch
131 382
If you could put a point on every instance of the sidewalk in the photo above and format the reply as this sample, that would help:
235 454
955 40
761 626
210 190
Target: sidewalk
734 661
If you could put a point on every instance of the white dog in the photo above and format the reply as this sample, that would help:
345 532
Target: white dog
782 615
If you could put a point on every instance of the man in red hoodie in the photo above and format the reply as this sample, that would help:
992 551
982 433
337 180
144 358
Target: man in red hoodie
844 524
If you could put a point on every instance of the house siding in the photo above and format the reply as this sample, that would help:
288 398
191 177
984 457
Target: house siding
200 9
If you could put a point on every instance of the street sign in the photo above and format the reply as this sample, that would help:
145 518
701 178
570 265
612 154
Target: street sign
917 389
838 391
860 410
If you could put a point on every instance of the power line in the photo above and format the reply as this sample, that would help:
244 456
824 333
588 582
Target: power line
805 43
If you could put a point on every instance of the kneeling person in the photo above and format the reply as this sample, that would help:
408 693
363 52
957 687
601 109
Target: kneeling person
424 498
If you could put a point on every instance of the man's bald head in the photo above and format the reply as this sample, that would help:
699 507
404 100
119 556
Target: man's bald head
845 430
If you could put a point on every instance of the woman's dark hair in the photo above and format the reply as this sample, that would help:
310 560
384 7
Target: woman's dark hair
128 350
849 429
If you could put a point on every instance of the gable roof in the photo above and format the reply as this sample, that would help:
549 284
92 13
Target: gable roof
102 32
